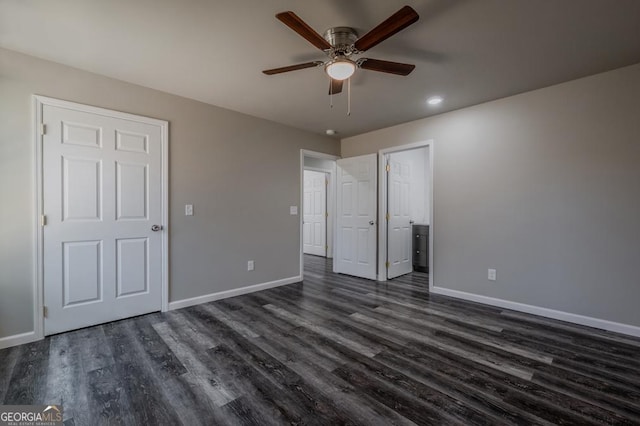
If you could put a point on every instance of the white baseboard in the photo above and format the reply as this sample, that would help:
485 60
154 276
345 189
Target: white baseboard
18 339
617 327
178 304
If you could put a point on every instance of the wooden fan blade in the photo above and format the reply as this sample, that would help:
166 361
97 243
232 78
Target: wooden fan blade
292 68
294 22
393 24
387 66
335 86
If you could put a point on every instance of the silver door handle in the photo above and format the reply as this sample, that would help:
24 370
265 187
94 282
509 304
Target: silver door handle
371 222
156 228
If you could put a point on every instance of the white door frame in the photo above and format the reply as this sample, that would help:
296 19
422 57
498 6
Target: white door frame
382 206
330 193
38 290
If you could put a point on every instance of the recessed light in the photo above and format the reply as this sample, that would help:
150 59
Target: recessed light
435 100
330 132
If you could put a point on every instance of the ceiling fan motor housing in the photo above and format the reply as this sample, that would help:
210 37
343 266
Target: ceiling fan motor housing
342 39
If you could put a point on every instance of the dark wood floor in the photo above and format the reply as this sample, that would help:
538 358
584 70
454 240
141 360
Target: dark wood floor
332 350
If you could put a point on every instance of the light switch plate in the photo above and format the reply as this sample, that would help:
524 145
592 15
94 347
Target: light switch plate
293 210
188 210
250 265
491 274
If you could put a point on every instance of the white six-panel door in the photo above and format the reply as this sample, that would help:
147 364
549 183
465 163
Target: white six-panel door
399 208
356 244
101 188
315 213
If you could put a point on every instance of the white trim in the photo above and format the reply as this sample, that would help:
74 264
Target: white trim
321 156
617 327
164 132
43 100
179 304
18 339
432 174
318 169
382 205
38 290
38 274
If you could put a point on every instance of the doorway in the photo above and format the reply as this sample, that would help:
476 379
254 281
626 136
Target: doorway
406 203
102 205
317 216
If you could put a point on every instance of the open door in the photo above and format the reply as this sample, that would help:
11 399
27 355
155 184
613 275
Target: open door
356 244
399 216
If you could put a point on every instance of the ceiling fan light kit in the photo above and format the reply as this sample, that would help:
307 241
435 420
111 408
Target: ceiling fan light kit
340 68
340 44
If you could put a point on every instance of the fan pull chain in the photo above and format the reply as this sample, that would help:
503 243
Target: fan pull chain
330 93
348 96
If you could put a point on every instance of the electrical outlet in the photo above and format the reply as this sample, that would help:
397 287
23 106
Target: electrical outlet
188 210
250 265
491 275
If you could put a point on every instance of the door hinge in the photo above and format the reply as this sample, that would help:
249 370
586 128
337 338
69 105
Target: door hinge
43 129
43 220
326 214
45 311
387 216
386 264
326 182
388 168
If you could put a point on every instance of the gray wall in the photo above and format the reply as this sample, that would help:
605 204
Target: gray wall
241 173
319 163
544 187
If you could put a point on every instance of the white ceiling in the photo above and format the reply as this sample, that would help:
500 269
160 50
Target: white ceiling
469 51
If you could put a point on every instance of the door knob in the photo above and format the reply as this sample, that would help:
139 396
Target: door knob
371 222
156 228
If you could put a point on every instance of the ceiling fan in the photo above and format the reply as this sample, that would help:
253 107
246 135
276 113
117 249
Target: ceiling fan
342 45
